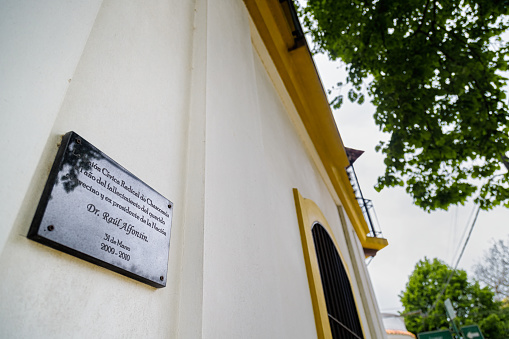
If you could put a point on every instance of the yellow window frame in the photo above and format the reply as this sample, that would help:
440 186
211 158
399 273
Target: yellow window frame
308 214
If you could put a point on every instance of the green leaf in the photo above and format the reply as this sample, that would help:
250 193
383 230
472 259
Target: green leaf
433 71
431 283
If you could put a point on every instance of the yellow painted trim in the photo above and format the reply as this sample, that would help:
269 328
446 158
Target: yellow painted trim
375 243
300 129
304 212
298 73
308 214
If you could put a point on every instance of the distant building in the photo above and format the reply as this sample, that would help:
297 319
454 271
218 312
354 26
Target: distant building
395 327
217 105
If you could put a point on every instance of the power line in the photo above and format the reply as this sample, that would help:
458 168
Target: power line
452 239
463 235
457 261
468 237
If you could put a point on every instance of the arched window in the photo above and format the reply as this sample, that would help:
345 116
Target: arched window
341 309
336 314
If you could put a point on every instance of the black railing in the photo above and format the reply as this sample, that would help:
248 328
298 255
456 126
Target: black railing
366 205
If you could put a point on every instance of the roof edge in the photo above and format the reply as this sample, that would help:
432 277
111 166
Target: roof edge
300 77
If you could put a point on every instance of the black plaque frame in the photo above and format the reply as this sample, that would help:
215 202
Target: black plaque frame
74 215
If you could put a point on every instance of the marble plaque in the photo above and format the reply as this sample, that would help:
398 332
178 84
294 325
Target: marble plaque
96 210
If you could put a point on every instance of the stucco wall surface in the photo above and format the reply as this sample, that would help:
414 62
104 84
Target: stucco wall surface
176 93
243 295
42 43
117 73
255 283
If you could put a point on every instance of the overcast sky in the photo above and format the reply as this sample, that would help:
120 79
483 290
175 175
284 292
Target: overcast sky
412 233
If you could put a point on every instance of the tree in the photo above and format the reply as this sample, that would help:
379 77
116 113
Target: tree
493 270
423 301
434 71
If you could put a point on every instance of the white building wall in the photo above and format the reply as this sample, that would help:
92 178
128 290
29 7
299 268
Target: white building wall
245 292
41 44
118 75
175 92
255 283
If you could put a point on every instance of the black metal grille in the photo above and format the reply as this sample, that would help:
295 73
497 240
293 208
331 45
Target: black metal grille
343 317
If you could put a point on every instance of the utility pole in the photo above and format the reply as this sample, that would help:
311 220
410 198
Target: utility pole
451 313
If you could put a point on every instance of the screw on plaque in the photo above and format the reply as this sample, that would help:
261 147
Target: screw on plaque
169 206
161 278
51 228
78 141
